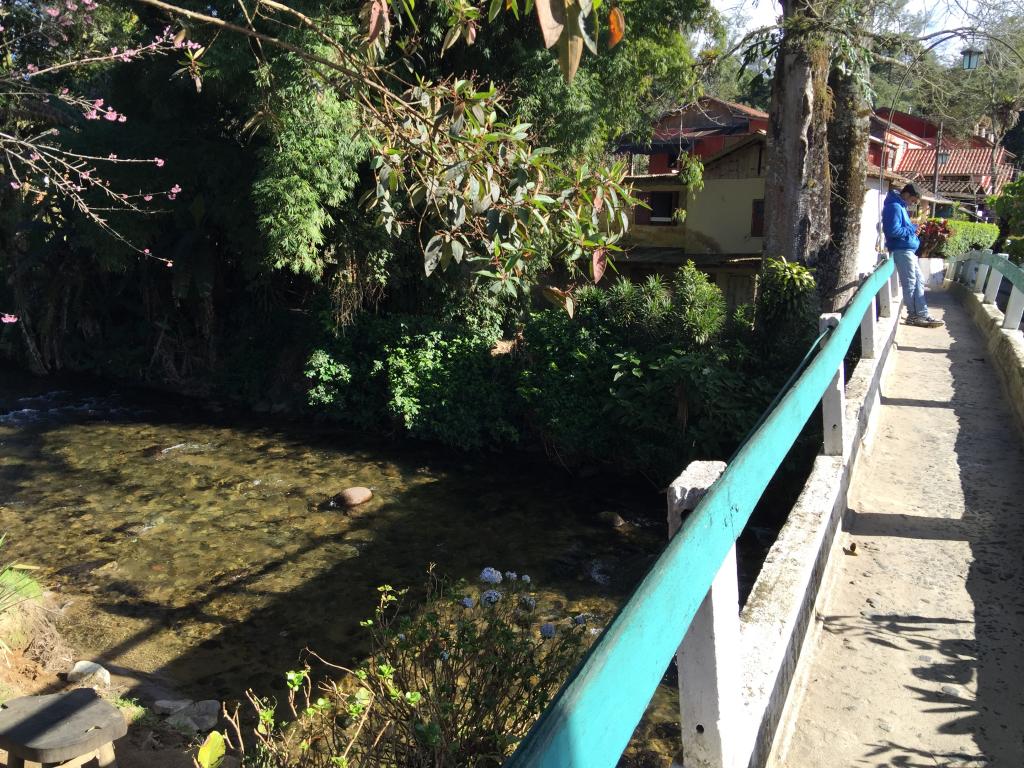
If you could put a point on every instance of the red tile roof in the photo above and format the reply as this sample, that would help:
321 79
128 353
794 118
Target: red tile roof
962 162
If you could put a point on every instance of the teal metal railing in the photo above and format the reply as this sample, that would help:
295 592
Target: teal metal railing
992 269
590 721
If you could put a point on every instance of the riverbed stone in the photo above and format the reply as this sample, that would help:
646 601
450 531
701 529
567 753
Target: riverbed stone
198 716
350 497
170 706
84 670
614 519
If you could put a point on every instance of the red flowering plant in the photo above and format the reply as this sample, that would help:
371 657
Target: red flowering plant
932 234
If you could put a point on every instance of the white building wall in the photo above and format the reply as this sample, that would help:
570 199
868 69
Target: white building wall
871 222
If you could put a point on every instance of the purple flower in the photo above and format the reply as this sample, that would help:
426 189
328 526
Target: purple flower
526 578
547 631
528 602
490 576
511 575
490 597
467 602
579 620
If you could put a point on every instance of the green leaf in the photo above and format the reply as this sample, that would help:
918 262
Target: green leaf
432 254
211 754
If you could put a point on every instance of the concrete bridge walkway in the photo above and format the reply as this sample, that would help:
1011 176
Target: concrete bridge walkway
918 658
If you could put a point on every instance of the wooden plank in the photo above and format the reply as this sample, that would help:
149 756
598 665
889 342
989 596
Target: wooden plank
590 721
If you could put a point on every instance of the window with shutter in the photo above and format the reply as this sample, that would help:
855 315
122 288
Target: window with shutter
757 219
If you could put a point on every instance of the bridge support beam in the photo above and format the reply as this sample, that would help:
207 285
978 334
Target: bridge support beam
867 326
833 402
710 700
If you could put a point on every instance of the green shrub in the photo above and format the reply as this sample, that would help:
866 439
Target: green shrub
429 379
639 377
968 235
456 684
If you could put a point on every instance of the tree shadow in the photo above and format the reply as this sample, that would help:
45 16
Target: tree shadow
976 682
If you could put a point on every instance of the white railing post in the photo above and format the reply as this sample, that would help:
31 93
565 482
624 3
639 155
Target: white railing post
1014 310
710 696
979 280
885 301
994 281
833 402
867 328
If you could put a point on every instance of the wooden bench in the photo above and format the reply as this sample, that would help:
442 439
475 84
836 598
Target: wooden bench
62 729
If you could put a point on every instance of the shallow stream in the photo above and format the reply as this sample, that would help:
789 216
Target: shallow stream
192 545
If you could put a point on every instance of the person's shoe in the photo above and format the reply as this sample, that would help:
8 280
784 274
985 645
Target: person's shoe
924 321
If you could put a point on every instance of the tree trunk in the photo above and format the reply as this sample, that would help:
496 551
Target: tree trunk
838 270
797 184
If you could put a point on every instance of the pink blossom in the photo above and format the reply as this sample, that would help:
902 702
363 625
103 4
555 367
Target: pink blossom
113 50
64 91
71 6
98 103
170 264
53 12
146 251
147 198
92 114
32 68
5 318
15 185
175 189
159 162
122 119
111 156
85 174
110 115
34 156
172 197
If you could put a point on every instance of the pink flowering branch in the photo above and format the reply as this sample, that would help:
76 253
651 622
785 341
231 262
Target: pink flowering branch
33 163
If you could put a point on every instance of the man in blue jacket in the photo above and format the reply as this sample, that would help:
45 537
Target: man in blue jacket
902 242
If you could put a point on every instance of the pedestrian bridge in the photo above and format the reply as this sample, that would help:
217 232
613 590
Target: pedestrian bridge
886 627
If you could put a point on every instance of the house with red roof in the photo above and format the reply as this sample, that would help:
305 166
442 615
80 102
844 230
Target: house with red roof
720 227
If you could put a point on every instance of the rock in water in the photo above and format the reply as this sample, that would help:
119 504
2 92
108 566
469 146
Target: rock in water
612 518
350 497
200 716
88 669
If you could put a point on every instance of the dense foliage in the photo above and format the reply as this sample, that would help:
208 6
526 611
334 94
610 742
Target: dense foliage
454 684
966 236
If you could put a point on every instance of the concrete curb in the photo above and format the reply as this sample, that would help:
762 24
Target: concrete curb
1005 346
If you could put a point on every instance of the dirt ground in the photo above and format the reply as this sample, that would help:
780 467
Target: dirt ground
34 660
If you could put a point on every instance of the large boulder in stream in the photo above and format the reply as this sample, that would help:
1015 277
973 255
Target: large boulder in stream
350 497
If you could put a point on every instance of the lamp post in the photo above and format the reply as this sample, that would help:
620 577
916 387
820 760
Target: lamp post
941 158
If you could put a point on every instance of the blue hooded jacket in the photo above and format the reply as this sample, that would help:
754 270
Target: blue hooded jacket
900 231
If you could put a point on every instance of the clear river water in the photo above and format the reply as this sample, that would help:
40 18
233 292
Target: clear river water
192 545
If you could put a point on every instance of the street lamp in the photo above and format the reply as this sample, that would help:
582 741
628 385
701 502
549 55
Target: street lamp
971 57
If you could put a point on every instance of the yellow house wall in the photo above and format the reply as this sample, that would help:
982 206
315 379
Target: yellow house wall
718 217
